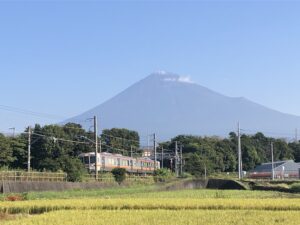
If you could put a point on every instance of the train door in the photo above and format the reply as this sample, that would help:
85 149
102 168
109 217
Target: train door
119 162
103 162
131 165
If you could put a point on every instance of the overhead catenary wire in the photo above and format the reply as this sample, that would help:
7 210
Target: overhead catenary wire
77 142
59 139
30 113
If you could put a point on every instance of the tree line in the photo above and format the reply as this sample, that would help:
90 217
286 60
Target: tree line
56 148
220 154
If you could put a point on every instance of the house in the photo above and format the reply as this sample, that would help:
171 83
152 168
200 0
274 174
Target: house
282 170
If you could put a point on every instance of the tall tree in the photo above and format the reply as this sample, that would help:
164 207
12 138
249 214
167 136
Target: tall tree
118 140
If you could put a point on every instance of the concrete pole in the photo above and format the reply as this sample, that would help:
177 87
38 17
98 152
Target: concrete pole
272 155
29 149
96 146
239 152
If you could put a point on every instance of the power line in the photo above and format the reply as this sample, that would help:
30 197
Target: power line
29 112
59 139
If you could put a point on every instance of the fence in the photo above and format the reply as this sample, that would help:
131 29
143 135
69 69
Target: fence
32 176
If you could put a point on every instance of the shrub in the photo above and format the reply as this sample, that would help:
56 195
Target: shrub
161 175
74 169
295 187
119 174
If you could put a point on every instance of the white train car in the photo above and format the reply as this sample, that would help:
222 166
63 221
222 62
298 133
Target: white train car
108 161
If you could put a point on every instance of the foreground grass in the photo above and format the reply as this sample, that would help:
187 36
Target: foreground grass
148 205
152 192
162 217
99 193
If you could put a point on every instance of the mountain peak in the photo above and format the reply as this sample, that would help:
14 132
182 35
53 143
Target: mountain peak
170 104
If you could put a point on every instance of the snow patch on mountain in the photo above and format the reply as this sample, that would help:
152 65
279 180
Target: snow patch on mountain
181 79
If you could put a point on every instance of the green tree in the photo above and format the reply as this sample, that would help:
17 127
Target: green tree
74 168
117 139
6 151
195 165
119 174
295 147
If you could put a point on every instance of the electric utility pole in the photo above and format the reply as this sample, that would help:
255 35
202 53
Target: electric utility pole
154 150
96 146
181 160
29 149
239 151
162 157
272 155
176 159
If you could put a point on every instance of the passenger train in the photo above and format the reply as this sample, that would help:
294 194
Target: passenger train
108 161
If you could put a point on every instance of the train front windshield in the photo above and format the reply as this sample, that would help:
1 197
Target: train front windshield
88 159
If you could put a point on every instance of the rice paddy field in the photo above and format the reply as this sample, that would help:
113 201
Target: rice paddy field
148 205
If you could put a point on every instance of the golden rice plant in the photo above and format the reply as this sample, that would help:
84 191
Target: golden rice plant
41 206
162 217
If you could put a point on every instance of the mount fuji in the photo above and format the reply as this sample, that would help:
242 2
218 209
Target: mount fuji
169 105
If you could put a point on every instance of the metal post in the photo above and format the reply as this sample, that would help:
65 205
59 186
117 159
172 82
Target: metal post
96 147
272 155
29 149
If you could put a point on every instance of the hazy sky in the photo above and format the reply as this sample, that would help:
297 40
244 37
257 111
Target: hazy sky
65 58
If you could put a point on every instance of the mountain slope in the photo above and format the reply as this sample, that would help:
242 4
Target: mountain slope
169 105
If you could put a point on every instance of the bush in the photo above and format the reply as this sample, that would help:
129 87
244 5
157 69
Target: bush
161 175
74 169
119 174
295 187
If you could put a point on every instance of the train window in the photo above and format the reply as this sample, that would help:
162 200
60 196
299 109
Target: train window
92 159
103 160
128 164
86 160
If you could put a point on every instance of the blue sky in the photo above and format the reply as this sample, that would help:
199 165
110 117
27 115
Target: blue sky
64 58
